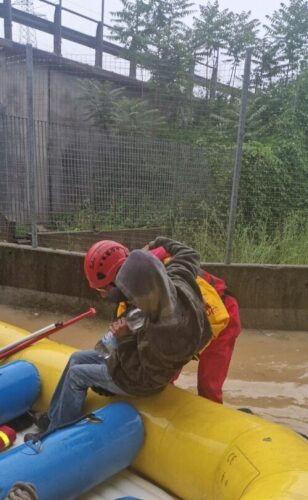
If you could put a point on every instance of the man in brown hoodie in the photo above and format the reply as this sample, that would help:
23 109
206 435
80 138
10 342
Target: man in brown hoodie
177 328
141 363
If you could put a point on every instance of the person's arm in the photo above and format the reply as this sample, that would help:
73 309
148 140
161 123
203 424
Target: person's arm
118 330
185 260
160 253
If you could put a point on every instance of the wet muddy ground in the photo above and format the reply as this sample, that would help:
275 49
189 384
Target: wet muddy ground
268 372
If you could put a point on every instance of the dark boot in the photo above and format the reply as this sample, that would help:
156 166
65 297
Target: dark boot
34 436
42 421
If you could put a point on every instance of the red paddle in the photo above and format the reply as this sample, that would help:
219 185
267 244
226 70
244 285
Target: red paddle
42 333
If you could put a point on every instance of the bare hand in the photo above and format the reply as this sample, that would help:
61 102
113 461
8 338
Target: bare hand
119 328
99 348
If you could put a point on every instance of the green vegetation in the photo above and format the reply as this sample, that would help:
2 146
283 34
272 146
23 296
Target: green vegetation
285 244
113 112
272 207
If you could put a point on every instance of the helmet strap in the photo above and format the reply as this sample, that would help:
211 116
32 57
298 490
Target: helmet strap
115 295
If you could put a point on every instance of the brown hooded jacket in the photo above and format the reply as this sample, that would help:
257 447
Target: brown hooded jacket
177 327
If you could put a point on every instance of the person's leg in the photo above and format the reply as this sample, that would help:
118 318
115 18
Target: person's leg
213 367
215 359
84 369
77 358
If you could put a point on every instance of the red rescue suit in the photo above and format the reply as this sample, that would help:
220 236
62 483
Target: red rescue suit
214 360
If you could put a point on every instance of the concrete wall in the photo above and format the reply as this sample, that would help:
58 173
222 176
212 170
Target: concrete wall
60 117
7 229
271 297
80 241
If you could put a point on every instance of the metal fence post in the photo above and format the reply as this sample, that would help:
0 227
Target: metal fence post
57 39
238 157
7 19
4 182
99 46
31 177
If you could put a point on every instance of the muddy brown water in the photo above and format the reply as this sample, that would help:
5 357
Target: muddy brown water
268 372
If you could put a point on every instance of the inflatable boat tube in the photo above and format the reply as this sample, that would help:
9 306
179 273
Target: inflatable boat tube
19 389
72 460
194 448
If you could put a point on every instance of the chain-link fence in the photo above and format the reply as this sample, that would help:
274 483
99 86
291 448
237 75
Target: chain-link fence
88 154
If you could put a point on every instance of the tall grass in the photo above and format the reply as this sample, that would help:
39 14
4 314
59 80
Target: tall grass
287 243
262 241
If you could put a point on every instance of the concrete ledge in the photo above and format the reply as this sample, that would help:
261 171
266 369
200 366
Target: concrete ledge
53 302
271 297
80 241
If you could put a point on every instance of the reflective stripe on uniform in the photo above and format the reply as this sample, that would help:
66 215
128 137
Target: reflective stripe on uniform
5 439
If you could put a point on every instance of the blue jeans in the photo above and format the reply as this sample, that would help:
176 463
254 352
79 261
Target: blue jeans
84 369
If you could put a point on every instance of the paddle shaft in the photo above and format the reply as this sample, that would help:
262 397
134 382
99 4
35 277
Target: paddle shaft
42 333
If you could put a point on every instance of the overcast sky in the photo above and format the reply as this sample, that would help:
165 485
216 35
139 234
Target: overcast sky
259 8
92 8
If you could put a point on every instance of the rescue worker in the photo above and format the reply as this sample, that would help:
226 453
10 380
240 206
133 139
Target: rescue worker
142 363
215 358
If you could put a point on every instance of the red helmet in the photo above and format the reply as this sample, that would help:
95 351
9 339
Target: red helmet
103 261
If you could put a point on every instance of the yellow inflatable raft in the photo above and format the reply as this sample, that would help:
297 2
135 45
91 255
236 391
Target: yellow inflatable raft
194 449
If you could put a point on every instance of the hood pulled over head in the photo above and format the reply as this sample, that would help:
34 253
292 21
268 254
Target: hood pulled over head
144 281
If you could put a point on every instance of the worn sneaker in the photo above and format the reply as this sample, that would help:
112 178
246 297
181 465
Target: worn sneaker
43 421
33 436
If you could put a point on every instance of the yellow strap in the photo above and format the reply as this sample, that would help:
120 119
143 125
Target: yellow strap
215 309
5 439
121 309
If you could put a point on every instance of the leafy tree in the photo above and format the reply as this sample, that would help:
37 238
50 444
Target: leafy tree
170 55
265 64
130 29
154 33
167 15
283 112
211 29
241 35
257 190
134 117
288 33
111 111
99 99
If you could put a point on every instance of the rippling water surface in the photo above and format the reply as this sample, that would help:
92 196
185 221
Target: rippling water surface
268 372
